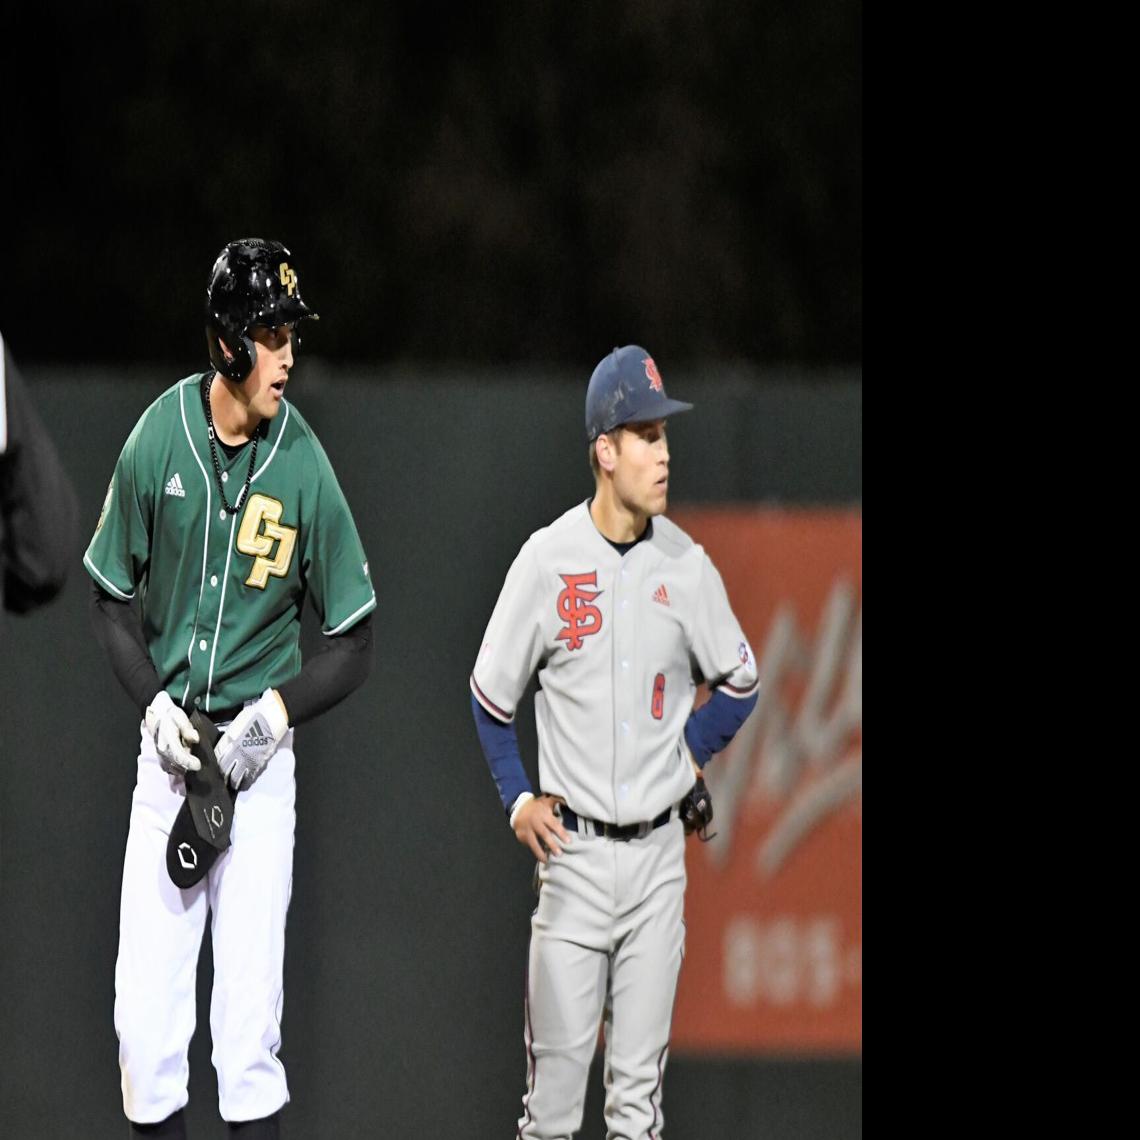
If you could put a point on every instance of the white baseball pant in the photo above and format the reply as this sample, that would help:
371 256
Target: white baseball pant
160 934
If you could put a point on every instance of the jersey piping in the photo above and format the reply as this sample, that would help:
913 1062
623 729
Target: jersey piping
369 605
205 536
489 704
269 458
221 610
738 693
111 587
230 553
230 543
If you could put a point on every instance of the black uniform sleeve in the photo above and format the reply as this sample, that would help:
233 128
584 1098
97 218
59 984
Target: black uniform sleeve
118 629
327 678
39 512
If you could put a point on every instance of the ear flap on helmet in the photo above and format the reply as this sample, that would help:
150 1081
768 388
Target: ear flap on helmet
244 354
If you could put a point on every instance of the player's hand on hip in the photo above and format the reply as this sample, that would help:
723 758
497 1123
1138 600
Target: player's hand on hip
251 738
538 827
171 731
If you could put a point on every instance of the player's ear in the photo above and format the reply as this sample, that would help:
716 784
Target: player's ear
606 451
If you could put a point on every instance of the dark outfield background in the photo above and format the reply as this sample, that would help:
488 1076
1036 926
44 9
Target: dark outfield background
481 204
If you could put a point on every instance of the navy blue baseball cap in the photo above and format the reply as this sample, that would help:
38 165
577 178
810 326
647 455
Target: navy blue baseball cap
626 388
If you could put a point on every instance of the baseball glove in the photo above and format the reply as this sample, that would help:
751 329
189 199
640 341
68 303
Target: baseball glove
696 811
201 830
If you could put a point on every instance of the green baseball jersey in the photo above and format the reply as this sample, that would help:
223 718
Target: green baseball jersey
220 595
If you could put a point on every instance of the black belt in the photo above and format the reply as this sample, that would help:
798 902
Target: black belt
621 832
217 716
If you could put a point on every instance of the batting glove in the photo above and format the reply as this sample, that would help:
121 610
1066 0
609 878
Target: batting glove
171 731
252 737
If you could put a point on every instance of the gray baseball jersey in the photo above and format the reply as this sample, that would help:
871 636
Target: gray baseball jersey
619 644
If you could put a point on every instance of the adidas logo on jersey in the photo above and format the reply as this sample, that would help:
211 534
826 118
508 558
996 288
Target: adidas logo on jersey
174 486
659 595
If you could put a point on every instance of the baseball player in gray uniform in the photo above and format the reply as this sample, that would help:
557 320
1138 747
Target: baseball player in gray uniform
622 615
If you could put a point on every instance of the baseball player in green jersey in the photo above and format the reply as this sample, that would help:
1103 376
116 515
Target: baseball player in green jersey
621 614
222 517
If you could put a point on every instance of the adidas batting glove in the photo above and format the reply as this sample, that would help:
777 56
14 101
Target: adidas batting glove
251 738
171 731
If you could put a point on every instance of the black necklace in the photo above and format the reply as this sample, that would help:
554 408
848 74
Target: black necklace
214 454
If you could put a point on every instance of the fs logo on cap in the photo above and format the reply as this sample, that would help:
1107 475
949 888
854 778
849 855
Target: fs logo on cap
654 376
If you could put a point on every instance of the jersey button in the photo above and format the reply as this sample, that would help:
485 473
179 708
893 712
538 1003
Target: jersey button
624 723
202 643
225 476
222 514
213 579
197 701
625 665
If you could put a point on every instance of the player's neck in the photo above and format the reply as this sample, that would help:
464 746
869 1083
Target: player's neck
615 520
234 420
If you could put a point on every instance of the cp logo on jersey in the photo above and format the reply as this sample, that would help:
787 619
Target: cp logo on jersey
574 608
260 530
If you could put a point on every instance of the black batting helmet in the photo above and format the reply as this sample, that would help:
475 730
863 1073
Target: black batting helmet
252 283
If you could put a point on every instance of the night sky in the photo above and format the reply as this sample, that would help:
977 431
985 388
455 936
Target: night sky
491 184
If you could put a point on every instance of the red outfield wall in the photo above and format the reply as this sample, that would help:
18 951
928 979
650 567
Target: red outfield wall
773 959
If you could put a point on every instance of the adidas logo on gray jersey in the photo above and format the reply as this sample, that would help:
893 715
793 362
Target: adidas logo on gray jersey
174 486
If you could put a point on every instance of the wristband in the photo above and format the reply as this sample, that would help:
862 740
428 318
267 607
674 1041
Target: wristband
523 797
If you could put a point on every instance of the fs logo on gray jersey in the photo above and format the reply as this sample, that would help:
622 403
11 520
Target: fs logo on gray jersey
582 619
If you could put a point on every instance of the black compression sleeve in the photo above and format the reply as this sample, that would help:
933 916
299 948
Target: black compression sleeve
326 679
118 628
